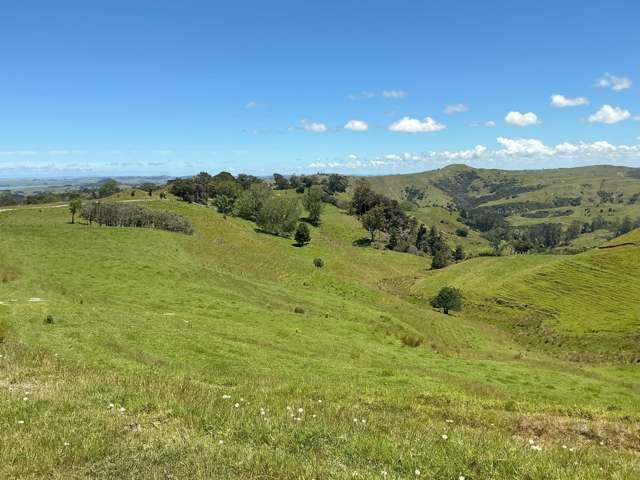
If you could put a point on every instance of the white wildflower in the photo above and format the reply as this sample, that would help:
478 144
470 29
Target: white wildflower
417 472
444 436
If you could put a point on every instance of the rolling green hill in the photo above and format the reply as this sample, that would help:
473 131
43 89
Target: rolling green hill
227 354
526 197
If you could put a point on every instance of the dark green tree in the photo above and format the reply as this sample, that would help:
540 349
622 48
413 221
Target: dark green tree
280 181
302 235
458 253
373 221
337 183
108 188
440 258
448 298
318 262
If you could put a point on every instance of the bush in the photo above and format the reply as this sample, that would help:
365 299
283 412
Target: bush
302 235
49 319
298 310
279 215
126 215
462 232
251 201
318 262
448 298
440 259
412 341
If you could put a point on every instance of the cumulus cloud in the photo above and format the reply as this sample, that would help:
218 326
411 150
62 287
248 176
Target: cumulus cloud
413 125
614 83
457 108
314 127
490 123
356 126
524 146
521 119
560 101
514 152
609 114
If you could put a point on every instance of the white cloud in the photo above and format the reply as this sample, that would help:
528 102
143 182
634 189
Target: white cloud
490 124
356 126
413 125
609 114
457 108
513 153
521 119
396 94
561 101
611 81
314 127
251 104
524 146
392 94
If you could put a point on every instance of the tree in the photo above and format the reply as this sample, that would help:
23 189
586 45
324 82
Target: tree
74 207
373 221
318 262
448 298
281 182
279 215
302 234
337 183
435 241
312 201
458 254
440 258
251 201
108 188
223 204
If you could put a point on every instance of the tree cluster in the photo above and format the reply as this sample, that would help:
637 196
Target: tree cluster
127 215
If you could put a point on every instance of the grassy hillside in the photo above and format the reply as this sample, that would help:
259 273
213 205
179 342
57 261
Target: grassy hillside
528 196
575 304
175 356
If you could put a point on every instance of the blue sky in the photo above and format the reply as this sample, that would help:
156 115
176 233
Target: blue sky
361 87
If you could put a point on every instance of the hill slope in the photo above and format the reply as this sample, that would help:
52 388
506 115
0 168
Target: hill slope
182 356
582 303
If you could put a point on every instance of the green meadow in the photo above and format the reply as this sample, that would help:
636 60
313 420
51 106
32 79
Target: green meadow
228 354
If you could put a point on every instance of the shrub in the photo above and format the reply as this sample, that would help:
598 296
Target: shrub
302 235
298 310
251 201
412 341
318 262
49 319
279 215
462 232
440 259
448 298
458 254
126 215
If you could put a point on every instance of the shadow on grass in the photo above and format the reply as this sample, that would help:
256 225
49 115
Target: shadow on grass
362 242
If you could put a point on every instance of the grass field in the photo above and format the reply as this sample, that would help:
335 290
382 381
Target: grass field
175 356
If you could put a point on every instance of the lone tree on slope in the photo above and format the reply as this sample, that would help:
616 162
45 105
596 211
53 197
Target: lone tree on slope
74 207
302 234
448 298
